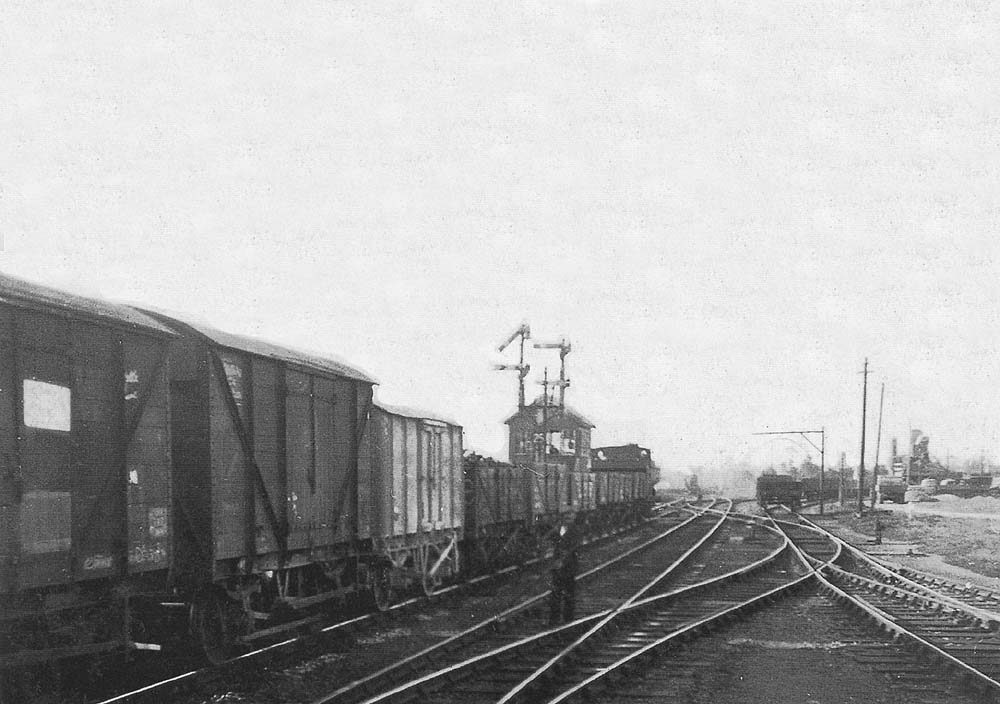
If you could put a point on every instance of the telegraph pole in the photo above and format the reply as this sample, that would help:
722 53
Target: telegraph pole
545 415
841 493
822 452
878 442
861 466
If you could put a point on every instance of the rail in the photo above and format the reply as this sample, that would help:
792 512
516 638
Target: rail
372 679
584 628
191 677
887 622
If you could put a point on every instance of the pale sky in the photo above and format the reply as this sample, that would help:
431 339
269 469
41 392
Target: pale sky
724 206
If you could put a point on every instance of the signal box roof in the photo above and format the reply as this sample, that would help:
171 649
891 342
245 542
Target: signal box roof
566 413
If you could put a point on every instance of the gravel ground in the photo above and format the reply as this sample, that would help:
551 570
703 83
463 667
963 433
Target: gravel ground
956 538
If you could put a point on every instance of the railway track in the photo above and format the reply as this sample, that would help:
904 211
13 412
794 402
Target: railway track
705 571
803 651
977 603
187 681
554 665
523 625
959 637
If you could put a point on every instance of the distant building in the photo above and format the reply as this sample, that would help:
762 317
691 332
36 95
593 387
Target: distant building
543 433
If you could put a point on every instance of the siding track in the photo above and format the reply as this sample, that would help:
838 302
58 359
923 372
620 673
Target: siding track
958 636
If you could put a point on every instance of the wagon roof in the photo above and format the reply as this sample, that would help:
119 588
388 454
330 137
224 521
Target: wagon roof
617 453
25 293
629 451
324 364
411 412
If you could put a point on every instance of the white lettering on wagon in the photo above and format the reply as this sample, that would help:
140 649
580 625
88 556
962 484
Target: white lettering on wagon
158 526
97 562
147 554
131 385
45 521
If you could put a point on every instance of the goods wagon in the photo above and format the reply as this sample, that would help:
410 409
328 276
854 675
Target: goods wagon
779 489
84 470
498 512
627 458
556 490
830 489
513 509
625 477
891 489
415 499
166 484
265 444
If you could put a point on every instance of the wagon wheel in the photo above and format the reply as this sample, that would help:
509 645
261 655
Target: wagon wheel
217 623
382 593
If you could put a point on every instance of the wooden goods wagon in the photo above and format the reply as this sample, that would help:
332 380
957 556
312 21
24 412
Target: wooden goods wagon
619 497
498 512
496 494
559 492
779 489
415 498
628 458
84 470
266 473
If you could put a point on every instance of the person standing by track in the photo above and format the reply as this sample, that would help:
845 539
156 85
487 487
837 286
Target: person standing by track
566 561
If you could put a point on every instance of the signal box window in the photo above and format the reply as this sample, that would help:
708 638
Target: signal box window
46 405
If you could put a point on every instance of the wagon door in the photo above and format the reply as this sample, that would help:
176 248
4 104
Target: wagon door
42 376
430 476
99 514
72 518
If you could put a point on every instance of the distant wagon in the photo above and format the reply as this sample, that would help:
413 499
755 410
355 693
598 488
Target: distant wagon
632 460
779 489
891 489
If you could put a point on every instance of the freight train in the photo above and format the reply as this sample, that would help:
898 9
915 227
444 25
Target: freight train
784 489
166 485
